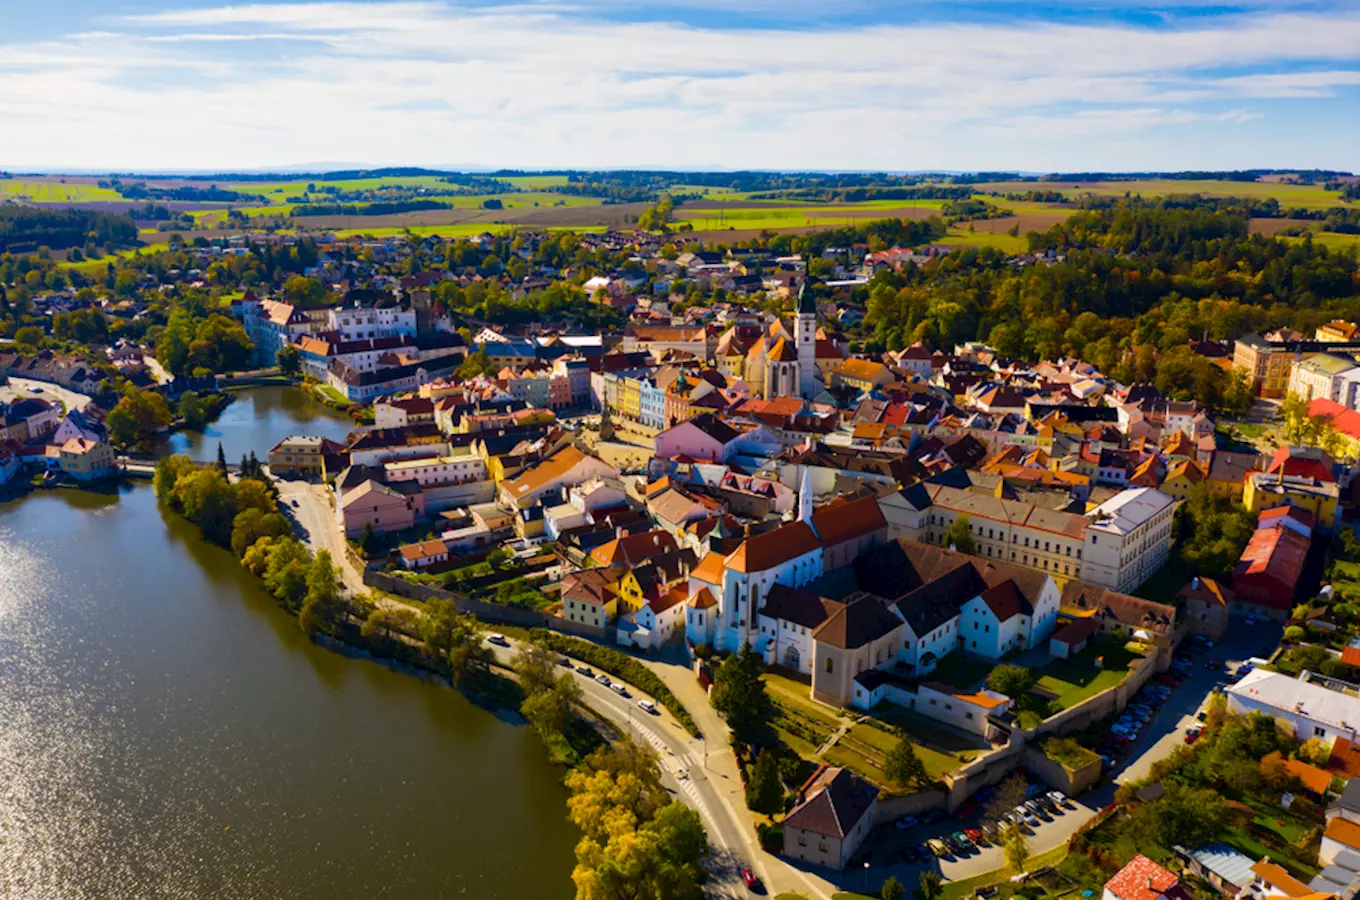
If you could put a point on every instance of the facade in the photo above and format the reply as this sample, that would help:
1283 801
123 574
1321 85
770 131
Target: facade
1266 491
306 455
565 468
834 813
1310 709
1324 376
373 504
86 460
1267 363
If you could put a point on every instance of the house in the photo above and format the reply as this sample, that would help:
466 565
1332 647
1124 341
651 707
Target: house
1143 879
587 598
1270 881
568 466
379 506
11 461
835 810
1207 603
1310 709
1220 865
1340 836
424 553
704 438
86 460
306 455
1314 782
1073 637
1265 490
1269 571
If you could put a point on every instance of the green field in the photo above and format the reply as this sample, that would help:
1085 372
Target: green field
982 239
1305 196
90 267
54 191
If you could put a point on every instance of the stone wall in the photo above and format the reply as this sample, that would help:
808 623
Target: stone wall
890 809
1058 776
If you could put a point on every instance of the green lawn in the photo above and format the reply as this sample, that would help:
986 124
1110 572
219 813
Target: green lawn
879 742
1074 680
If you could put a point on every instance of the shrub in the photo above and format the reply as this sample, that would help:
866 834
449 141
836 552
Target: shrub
621 665
1293 633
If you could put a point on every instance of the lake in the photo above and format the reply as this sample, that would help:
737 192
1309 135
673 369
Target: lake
166 731
258 419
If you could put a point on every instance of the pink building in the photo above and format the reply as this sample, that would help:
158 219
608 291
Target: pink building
559 391
704 437
383 507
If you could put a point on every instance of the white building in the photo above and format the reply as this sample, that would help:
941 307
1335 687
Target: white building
1310 708
1127 539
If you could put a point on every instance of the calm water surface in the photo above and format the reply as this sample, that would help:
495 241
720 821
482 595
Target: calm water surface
167 732
257 420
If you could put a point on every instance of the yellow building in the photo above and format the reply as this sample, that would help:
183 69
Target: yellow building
587 598
1337 331
628 400
1181 476
1266 491
1267 363
861 374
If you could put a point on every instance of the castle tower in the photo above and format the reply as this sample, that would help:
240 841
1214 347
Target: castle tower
805 498
805 335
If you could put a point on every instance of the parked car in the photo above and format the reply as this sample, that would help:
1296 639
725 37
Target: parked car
928 818
963 842
564 662
586 671
603 679
620 689
1059 798
907 822
648 706
752 882
940 849
1036 809
974 835
1193 733
497 639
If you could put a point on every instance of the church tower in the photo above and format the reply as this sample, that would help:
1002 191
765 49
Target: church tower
805 335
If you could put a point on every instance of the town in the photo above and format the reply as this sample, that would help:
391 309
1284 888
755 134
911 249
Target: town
1026 623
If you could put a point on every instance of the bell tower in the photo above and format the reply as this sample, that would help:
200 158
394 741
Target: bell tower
805 336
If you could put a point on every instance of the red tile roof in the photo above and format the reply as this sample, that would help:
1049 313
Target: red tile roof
1141 879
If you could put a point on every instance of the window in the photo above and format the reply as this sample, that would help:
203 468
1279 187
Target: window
829 666
802 839
932 701
1318 731
968 715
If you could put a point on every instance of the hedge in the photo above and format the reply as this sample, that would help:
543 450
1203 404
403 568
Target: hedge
620 665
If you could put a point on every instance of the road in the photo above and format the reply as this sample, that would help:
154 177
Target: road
26 387
1165 731
684 773
315 525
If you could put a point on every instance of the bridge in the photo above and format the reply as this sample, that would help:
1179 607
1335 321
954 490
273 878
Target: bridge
145 466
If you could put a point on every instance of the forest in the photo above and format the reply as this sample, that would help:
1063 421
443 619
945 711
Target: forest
25 228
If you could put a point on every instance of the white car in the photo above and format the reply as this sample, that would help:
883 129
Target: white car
497 639
620 688
647 706
1059 798
603 679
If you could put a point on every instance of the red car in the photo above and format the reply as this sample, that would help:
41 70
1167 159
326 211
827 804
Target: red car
751 880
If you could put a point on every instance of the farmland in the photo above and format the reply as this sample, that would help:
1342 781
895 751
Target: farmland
718 213
1302 196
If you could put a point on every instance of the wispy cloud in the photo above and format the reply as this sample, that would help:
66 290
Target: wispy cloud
547 84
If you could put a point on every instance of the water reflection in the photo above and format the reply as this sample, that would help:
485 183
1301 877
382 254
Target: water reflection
165 731
258 419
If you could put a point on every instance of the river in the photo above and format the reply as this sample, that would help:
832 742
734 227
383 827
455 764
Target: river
167 732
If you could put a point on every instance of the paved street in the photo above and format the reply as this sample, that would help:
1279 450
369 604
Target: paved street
24 387
314 523
705 788
1166 730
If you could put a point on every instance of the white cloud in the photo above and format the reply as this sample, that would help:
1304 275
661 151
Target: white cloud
543 85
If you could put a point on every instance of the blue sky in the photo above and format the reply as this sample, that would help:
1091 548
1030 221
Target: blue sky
699 84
